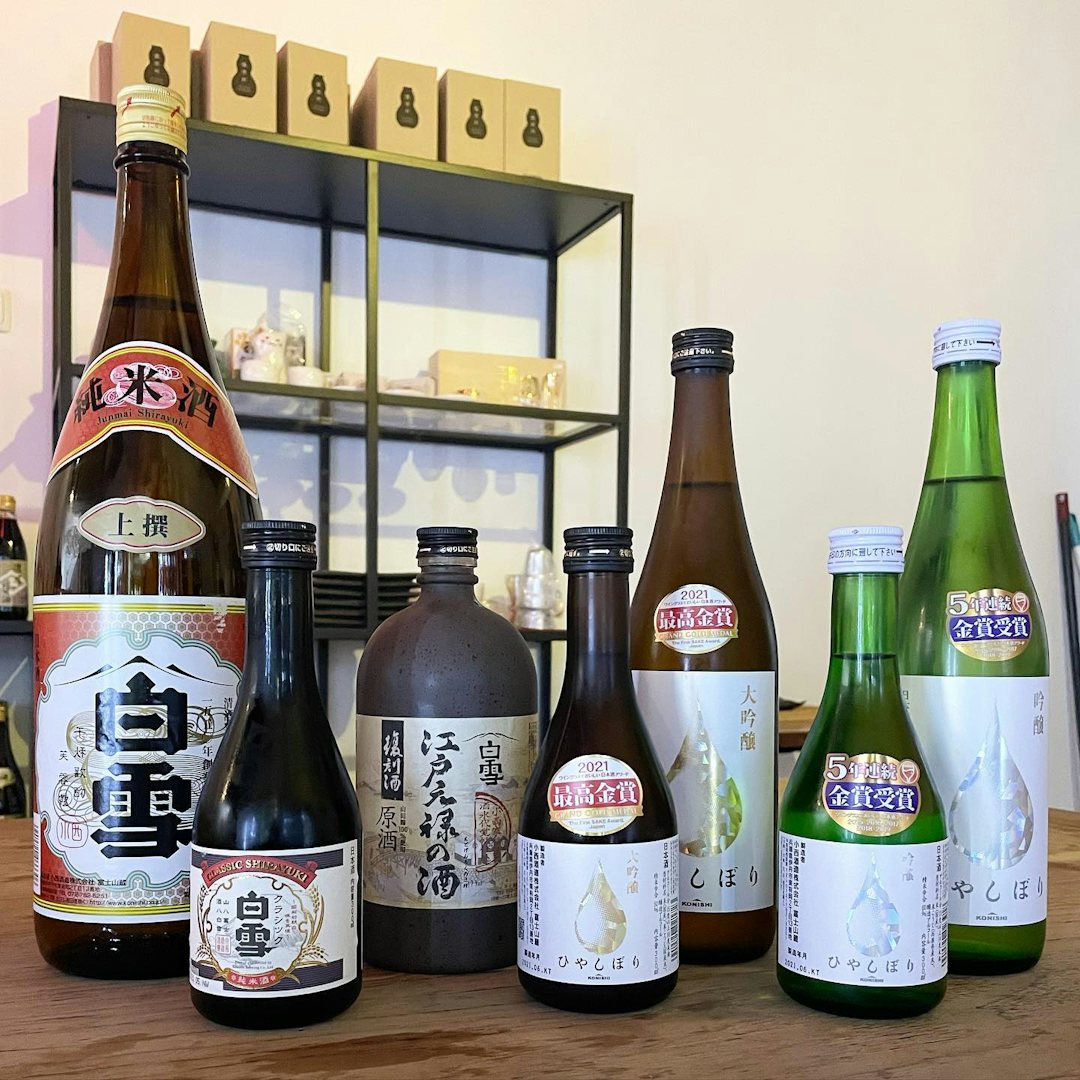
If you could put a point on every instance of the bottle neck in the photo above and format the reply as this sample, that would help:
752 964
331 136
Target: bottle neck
965 441
280 659
598 634
701 448
152 254
448 576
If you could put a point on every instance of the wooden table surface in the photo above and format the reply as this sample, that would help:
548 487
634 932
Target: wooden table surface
795 726
729 1022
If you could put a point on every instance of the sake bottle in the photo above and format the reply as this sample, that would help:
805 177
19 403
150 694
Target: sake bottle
139 592
703 650
275 855
863 850
975 667
446 734
598 914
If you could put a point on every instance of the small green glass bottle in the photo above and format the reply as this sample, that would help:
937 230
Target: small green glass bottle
975 666
863 847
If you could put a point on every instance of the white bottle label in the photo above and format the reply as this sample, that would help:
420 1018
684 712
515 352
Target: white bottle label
598 914
863 914
13 588
715 735
440 799
285 922
985 744
135 695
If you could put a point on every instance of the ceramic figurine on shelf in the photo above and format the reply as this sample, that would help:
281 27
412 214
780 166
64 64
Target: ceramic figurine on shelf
317 101
406 115
243 84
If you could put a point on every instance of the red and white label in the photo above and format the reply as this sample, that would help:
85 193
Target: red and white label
146 386
695 619
595 795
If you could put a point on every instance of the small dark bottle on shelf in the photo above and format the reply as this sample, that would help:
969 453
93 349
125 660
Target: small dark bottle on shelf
13 587
445 742
275 854
12 788
598 885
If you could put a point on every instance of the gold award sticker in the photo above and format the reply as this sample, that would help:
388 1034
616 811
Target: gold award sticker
595 795
989 624
695 619
871 794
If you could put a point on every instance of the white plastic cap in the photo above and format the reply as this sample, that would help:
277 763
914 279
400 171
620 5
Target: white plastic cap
967 339
866 549
151 114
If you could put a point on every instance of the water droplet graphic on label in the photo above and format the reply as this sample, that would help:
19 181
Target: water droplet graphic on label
600 924
991 819
873 923
707 800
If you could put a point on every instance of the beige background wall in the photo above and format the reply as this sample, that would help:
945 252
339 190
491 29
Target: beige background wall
829 180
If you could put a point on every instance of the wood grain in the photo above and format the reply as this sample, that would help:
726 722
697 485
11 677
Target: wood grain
730 1022
795 726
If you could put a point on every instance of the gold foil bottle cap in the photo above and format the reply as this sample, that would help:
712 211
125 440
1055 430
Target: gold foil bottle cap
7 502
151 114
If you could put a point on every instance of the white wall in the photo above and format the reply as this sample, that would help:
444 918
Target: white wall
829 180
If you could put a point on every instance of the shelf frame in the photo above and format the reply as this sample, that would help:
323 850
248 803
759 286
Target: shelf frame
382 195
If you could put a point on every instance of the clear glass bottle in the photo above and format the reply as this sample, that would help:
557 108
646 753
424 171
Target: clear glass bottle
446 734
863 847
975 666
703 650
13 585
598 903
138 588
275 854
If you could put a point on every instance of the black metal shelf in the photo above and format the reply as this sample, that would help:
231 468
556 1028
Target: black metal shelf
16 627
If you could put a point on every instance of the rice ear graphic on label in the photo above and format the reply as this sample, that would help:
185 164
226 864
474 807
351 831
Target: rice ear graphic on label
873 923
991 820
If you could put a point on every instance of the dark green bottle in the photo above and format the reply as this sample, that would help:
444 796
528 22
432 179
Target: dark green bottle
975 667
863 846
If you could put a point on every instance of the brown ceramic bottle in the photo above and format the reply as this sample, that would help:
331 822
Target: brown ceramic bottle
703 649
445 742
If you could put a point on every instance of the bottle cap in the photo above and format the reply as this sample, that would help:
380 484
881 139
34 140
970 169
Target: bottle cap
151 114
7 502
866 549
446 540
598 547
967 339
702 347
287 545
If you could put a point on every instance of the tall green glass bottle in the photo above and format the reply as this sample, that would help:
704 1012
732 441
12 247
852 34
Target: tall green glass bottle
975 668
863 847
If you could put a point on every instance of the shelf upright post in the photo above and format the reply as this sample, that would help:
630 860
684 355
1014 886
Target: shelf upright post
371 444
326 290
626 220
63 184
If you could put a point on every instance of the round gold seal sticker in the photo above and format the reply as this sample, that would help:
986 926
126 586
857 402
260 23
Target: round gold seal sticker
595 795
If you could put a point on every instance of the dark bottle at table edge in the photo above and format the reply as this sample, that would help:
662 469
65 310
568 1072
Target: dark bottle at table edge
598 922
13 584
975 666
12 787
703 650
446 735
138 585
276 842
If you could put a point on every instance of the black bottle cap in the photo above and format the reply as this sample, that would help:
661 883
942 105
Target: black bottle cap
445 540
288 545
598 547
702 347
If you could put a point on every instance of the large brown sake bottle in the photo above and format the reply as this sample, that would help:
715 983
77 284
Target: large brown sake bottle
445 742
703 650
139 620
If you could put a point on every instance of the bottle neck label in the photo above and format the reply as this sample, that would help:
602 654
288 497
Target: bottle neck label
441 802
872 915
595 795
985 743
989 624
146 386
139 523
871 794
287 922
13 588
136 695
598 914
695 619
714 733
